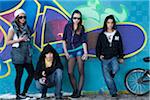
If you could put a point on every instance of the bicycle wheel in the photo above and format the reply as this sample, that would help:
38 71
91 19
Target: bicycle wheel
133 85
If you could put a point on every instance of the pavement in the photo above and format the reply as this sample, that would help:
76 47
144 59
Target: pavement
83 97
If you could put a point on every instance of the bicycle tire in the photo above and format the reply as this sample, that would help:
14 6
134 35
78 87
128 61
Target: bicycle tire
126 81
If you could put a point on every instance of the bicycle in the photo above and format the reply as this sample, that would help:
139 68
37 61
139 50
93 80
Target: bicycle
137 81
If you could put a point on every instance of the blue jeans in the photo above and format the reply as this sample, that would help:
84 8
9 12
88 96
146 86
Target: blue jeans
56 78
110 66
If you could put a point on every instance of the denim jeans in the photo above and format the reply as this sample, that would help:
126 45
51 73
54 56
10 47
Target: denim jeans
56 78
109 67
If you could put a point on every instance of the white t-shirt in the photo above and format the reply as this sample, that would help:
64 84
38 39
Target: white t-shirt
110 35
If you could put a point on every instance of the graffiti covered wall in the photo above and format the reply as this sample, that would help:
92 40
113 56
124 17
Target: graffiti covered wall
47 19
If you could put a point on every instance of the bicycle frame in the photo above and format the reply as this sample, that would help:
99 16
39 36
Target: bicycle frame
142 79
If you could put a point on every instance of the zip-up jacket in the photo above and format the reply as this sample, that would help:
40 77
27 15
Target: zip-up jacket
104 48
72 39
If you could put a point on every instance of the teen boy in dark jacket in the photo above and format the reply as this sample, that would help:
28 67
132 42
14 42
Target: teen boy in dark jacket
49 72
109 50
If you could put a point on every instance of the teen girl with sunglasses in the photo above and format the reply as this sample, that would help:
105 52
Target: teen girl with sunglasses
19 37
75 49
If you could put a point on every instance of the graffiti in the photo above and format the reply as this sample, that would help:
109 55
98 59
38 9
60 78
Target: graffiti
94 13
48 18
4 69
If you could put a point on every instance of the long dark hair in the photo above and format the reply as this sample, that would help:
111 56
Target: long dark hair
17 21
105 22
48 48
80 23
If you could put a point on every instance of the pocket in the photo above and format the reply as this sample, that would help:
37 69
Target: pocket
79 53
30 51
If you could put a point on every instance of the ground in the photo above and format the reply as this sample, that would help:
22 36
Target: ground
83 97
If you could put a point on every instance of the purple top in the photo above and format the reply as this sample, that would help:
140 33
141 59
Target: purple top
72 39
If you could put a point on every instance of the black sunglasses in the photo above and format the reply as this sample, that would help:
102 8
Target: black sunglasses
77 18
20 17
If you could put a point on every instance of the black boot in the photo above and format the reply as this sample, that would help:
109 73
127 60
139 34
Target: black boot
25 95
74 93
77 94
43 95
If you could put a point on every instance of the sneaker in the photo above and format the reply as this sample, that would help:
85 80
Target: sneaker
58 97
18 97
43 95
114 95
25 95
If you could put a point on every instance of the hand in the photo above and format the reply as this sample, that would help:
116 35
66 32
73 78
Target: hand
120 60
67 55
85 56
101 57
43 73
24 38
42 80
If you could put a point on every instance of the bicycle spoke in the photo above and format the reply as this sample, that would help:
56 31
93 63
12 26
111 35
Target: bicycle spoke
132 77
134 88
139 89
145 88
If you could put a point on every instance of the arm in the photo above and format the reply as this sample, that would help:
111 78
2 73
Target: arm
38 71
10 38
64 43
85 55
85 48
65 49
65 46
98 47
84 44
40 74
120 46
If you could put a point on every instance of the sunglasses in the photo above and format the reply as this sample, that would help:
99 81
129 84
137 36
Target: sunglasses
20 17
77 18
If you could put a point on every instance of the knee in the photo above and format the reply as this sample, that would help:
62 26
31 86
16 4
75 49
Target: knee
31 75
38 85
81 73
116 69
105 70
18 75
59 74
70 73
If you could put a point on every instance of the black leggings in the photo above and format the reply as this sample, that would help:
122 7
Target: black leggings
76 86
19 72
